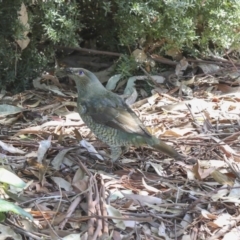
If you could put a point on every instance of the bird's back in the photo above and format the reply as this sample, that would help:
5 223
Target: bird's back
112 120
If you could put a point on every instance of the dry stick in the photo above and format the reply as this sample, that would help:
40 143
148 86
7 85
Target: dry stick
163 60
83 167
154 57
148 75
91 51
167 61
220 142
234 65
175 223
103 208
193 118
90 210
229 137
70 210
59 204
25 232
92 64
50 226
143 219
194 233
92 207
208 62
54 105
170 97
98 232
41 198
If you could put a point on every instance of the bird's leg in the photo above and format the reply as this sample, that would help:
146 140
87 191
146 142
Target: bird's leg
116 152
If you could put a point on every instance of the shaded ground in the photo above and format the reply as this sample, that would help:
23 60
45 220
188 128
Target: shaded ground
146 195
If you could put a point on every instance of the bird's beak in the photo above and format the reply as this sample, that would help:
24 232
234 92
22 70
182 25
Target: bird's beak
63 72
68 70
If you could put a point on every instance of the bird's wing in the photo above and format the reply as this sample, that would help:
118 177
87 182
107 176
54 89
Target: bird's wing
116 114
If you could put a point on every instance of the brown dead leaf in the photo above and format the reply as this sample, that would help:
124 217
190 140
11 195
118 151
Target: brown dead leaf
201 173
80 181
222 178
208 215
146 182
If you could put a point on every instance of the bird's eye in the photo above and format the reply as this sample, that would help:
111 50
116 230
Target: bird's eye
81 73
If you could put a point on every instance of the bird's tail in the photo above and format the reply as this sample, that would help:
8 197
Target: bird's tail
163 147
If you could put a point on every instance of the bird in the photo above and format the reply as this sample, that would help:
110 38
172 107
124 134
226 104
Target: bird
109 117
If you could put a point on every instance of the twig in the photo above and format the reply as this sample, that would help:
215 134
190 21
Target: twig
148 75
141 219
70 210
91 51
48 223
24 232
103 209
98 211
91 209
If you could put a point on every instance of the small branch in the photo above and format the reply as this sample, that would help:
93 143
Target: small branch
91 51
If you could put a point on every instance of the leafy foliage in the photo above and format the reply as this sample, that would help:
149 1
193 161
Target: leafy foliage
180 23
191 26
51 23
125 65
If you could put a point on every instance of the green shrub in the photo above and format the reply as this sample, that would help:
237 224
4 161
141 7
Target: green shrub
51 23
191 26
181 23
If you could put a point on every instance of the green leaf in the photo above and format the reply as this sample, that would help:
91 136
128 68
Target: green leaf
11 179
2 217
10 207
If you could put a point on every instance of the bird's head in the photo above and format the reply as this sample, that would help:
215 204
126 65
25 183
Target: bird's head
85 80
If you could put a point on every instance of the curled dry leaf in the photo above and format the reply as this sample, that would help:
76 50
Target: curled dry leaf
116 213
91 149
201 173
10 148
44 145
112 82
59 158
206 214
62 183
